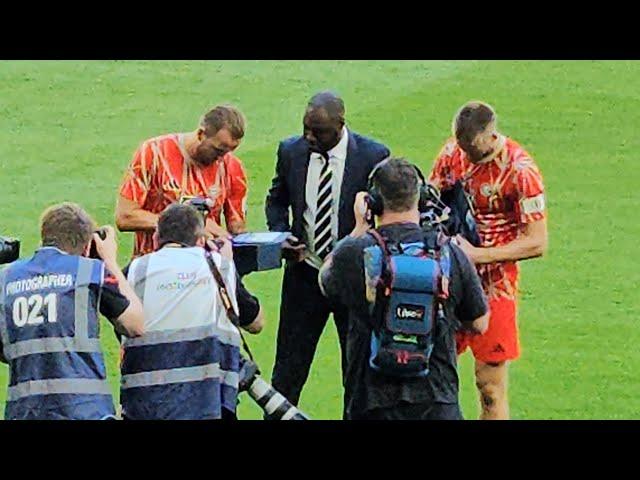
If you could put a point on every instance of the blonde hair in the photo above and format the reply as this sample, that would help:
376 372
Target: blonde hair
224 116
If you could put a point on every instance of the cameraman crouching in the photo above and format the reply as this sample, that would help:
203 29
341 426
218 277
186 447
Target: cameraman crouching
405 290
186 365
49 322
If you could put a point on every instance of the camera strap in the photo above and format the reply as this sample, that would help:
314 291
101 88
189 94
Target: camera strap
226 301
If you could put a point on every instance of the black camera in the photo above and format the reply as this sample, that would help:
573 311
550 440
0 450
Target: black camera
451 213
93 253
461 220
274 405
251 252
9 249
201 204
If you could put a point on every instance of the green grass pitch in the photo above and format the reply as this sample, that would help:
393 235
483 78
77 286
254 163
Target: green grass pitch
68 130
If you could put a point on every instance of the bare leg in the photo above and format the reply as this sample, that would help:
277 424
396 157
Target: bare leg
491 380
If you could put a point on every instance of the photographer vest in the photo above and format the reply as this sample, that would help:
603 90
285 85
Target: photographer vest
49 328
186 364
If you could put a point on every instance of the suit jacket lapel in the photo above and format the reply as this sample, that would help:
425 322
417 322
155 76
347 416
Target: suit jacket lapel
301 166
350 165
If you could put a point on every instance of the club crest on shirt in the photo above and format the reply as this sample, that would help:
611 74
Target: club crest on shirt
486 190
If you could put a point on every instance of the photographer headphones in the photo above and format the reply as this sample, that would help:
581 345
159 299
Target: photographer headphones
374 198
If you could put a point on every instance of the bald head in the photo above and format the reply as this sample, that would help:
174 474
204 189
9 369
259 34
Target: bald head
323 121
329 102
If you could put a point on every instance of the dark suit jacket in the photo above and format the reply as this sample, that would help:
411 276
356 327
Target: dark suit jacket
289 184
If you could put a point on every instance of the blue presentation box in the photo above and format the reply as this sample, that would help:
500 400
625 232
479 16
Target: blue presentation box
255 252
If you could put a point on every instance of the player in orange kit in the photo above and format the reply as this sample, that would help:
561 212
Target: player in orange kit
178 167
506 190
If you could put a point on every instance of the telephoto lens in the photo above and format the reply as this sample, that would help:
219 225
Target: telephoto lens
274 405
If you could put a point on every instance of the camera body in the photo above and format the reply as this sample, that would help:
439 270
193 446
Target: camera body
93 253
200 204
252 252
9 249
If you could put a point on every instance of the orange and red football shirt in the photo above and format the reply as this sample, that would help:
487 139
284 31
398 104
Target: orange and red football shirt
162 173
506 192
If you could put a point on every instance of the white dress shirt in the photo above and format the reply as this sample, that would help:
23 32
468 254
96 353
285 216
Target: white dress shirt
337 158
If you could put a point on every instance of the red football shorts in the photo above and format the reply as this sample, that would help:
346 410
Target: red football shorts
500 342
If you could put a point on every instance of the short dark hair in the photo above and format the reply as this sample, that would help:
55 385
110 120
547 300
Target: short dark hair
180 223
330 102
397 181
66 226
472 119
224 116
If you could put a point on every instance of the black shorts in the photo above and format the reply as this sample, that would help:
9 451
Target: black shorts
414 411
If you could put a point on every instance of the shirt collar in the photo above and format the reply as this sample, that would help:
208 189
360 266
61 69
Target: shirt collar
51 248
183 148
340 150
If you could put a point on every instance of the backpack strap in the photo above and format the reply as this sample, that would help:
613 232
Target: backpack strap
226 300
439 245
386 276
383 287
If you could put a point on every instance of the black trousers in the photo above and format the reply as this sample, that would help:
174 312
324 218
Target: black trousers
304 312
227 416
414 411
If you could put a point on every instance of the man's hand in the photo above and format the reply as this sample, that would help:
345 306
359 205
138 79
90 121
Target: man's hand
471 251
362 214
236 227
223 246
107 248
293 250
215 230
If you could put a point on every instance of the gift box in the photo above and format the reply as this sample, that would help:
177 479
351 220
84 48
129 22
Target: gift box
255 252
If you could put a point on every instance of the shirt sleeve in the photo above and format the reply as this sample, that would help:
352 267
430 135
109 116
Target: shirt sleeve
235 204
530 204
112 303
248 305
138 177
439 175
344 280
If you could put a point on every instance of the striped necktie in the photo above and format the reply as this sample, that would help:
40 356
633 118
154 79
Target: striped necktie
322 233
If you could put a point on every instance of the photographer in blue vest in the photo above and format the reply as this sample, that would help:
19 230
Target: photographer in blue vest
49 322
407 290
186 366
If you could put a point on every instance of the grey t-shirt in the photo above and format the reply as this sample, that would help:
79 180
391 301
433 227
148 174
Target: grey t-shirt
344 282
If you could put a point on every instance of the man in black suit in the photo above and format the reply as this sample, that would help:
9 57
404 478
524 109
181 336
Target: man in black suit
317 176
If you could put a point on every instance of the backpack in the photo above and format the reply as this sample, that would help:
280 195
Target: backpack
408 283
